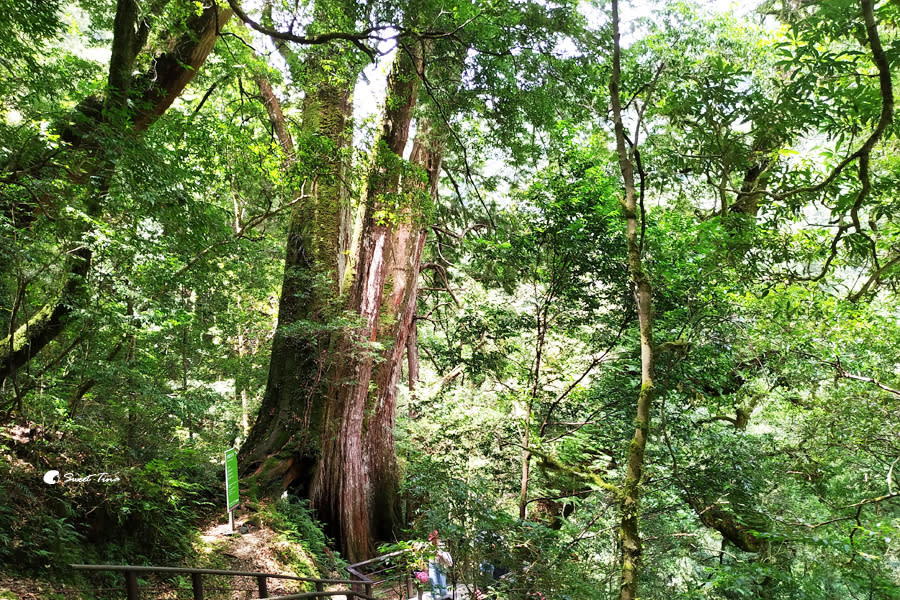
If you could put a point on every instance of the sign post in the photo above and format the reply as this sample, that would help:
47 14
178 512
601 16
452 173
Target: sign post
231 484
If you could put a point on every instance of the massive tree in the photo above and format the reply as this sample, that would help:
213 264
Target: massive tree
320 428
326 424
341 484
314 264
655 290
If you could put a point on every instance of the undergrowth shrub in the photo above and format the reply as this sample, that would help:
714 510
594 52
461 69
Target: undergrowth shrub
295 521
148 516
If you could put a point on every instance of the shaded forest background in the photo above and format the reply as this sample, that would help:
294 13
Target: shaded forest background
605 292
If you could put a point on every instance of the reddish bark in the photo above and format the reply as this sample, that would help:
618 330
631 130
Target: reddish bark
175 69
406 261
328 415
341 488
406 258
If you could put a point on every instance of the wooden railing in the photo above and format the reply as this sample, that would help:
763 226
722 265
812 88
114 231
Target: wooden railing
360 572
132 591
383 573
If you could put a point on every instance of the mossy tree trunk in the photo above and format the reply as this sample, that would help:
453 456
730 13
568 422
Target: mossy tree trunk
283 446
629 499
325 427
399 310
131 105
342 485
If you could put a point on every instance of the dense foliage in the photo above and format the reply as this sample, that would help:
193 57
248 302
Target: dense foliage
157 157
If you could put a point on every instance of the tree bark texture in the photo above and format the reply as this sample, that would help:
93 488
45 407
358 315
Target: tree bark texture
283 446
341 487
175 69
395 333
629 502
325 427
728 525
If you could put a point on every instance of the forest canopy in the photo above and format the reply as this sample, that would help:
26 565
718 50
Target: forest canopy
605 292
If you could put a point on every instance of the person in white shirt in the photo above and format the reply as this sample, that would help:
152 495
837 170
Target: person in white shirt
437 568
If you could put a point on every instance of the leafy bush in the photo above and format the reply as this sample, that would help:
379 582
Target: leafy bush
158 506
292 518
148 516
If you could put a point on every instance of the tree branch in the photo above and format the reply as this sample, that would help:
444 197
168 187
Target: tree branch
887 104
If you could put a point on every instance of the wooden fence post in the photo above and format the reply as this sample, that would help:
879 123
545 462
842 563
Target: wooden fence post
131 589
197 584
261 584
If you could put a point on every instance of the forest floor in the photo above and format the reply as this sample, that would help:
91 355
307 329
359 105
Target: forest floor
251 548
16 588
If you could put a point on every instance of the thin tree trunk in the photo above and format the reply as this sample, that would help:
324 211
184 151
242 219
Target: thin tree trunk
631 488
525 476
240 384
412 356
541 328
190 308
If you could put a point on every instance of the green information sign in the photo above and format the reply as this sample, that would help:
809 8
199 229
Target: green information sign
231 479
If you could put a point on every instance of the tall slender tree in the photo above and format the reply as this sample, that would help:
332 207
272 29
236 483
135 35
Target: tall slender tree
629 498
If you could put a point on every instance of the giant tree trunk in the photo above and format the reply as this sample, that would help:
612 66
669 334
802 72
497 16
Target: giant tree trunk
341 486
319 431
283 447
629 502
407 244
